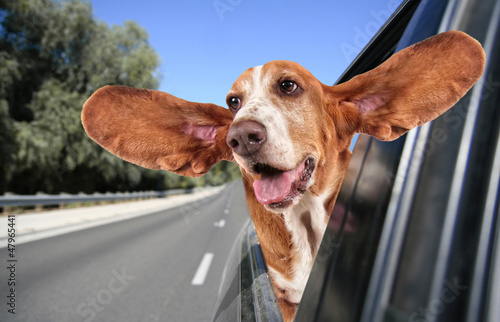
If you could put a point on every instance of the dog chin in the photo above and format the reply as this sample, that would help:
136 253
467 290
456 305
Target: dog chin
280 207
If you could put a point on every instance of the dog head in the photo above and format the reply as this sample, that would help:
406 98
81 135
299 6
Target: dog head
283 127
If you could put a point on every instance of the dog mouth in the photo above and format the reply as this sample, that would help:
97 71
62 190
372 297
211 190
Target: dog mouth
278 188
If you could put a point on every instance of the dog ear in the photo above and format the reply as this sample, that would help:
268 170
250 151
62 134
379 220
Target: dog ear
412 87
156 130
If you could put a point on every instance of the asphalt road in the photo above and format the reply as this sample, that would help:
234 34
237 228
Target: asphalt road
140 269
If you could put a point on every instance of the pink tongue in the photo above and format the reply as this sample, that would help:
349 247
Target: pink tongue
274 188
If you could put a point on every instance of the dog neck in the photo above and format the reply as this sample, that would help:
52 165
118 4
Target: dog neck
291 239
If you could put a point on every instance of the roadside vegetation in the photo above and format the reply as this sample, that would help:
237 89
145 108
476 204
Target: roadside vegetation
53 56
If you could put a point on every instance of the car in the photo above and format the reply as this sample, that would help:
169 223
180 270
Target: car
415 232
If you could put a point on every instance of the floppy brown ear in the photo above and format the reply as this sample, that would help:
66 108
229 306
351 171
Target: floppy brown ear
156 130
413 86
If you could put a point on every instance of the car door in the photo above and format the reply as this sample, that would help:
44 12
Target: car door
414 235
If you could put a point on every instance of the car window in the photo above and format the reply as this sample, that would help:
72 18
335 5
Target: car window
447 245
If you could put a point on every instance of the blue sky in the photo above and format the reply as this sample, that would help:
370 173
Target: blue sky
205 45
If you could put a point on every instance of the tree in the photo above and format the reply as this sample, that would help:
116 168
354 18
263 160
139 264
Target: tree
53 56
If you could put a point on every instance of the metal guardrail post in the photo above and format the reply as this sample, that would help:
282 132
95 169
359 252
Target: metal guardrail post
39 207
7 209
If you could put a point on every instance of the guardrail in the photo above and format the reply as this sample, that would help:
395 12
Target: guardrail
39 200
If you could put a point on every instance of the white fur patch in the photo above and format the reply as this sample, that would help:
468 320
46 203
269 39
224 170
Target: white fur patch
278 149
293 294
313 205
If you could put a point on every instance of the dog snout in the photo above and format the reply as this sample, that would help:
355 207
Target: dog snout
246 138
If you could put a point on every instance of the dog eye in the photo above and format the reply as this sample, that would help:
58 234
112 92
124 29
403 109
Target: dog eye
288 86
234 103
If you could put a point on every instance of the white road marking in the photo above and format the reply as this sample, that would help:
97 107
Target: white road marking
221 223
201 273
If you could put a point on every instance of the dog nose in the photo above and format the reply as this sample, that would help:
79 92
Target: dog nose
246 138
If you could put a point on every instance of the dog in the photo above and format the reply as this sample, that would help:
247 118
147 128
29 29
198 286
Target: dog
290 136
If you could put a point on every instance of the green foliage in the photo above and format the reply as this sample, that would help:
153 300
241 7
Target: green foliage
7 145
53 56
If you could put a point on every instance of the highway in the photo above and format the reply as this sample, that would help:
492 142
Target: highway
166 266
